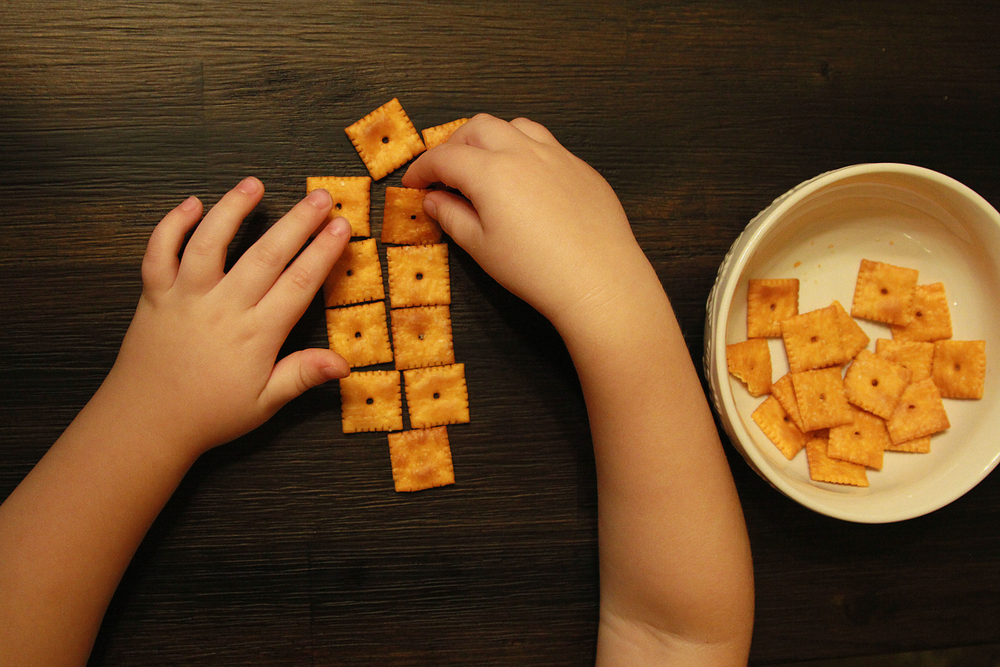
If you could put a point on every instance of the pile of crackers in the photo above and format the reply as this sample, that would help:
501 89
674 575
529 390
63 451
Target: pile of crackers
841 402
420 347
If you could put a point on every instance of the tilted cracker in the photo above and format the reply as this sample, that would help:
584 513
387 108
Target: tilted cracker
422 337
351 197
385 139
360 334
920 412
863 441
436 396
769 302
915 446
421 459
822 468
404 221
779 428
821 398
356 277
875 384
852 337
419 275
959 368
931 319
784 391
439 134
371 401
750 362
916 356
884 293
812 340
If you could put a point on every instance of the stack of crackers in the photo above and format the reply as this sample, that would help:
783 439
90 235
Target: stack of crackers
843 403
418 342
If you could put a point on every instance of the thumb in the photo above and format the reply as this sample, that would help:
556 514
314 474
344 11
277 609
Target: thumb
300 371
457 217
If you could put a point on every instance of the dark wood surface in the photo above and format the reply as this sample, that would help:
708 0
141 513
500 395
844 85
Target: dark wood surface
290 547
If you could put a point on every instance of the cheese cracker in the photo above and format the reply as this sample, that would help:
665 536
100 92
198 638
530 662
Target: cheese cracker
356 277
875 384
436 396
419 275
812 340
404 221
822 468
779 428
931 319
769 302
351 197
750 362
920 412
385 139
959 368
371 401
863 441
853 338
421 459
783 390
915 446
422 337
821 398
917 356
439 134
884 293
359 334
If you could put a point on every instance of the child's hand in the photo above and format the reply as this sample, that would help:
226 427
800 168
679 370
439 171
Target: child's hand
541 221
197 365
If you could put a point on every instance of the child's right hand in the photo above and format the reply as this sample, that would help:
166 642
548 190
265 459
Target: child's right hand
538 219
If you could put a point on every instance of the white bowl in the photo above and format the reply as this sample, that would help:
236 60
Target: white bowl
819 232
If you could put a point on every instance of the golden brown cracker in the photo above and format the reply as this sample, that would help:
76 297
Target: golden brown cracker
784 391
917 356
434 136
884 293
360 334
385 139
404 221
422 337
959 368
356 277
419 275
769 302
421 459
853 338
822 468
863 441
351 197
436 396
920 412
750 362
779 428
812 340
931 318
915 446
875 384
371 401
821 398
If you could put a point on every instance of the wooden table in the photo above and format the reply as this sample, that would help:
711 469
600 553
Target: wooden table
290 547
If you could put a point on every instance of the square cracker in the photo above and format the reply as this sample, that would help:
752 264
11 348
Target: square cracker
821 398
812 340
769 302
404 221
875 384
931 319
439 134
356 277
422 337
915 446
421 459
884 293
419 275
351 199
359 334
436 396
914 355
822 468
920 412
385 139
863 441
779 428
959 368
852 337
750 362
371 401
783 390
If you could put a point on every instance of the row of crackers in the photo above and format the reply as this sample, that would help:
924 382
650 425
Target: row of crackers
842 403
358 326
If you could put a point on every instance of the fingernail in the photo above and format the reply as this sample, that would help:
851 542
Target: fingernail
319 198
249 185
339 226
430 208
189 204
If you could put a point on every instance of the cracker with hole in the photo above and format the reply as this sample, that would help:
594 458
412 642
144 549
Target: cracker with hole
853 338
863 441
750 362
360 334
812 340
875 384
959 368
356 277
916 356
769 303
404 221
437 135
421 459
419 275
779 428
822 468
371 401
920 413
931 319
385 139
821 398
784 392
436 396
884 293
422 337
351 197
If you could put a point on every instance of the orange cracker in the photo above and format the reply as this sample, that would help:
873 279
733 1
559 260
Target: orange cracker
812 340
419 275
351 199
783 390
852 337
822 468
356 277
779 428
439 134
422 337
821 398
385 139
421 459
915 446
920 412
875 384
436 396
769 301
371 401
931 317
884 293
863 441
750 362
914 355
404 221
959 368
359 334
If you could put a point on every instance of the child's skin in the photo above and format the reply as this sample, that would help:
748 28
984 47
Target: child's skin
197 369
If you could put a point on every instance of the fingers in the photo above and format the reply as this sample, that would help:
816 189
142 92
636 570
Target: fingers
535 131
457 217
298 372
160 263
